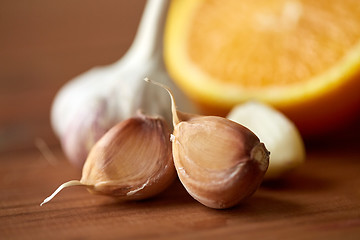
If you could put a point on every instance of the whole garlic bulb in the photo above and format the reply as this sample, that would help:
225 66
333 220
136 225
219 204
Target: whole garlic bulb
90 104
277 132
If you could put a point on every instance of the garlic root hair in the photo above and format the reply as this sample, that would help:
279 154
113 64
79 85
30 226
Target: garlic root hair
61 187
46 151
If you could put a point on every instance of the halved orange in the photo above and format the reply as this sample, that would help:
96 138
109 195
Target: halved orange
300 56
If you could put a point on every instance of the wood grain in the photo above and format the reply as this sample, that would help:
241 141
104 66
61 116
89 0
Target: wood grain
319 201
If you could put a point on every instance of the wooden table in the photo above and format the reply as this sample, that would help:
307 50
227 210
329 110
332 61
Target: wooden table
319 201
43 44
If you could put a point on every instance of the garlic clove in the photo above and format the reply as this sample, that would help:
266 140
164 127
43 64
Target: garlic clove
278 133
133 160
219 162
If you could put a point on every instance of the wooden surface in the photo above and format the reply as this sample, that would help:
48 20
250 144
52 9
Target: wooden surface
319 201
43 44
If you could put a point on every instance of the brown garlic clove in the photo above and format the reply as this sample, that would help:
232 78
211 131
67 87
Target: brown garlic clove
133 160
219 162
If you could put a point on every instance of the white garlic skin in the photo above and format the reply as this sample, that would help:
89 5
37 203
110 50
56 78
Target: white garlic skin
277 132
90 104
85 127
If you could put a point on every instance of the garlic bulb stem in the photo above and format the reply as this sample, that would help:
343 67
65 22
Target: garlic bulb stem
61 187
148 38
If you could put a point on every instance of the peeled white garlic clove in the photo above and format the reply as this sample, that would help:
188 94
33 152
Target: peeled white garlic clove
133 160
219 162
277 132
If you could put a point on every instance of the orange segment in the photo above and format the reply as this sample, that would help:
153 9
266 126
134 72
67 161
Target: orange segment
303 57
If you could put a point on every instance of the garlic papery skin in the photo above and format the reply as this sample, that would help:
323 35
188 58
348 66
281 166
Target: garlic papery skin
131 161
93 102
219 162
88 125
277 132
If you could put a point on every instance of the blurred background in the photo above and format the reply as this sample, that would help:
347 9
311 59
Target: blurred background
44 44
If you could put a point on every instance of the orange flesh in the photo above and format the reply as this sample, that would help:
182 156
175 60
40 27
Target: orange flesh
271 43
